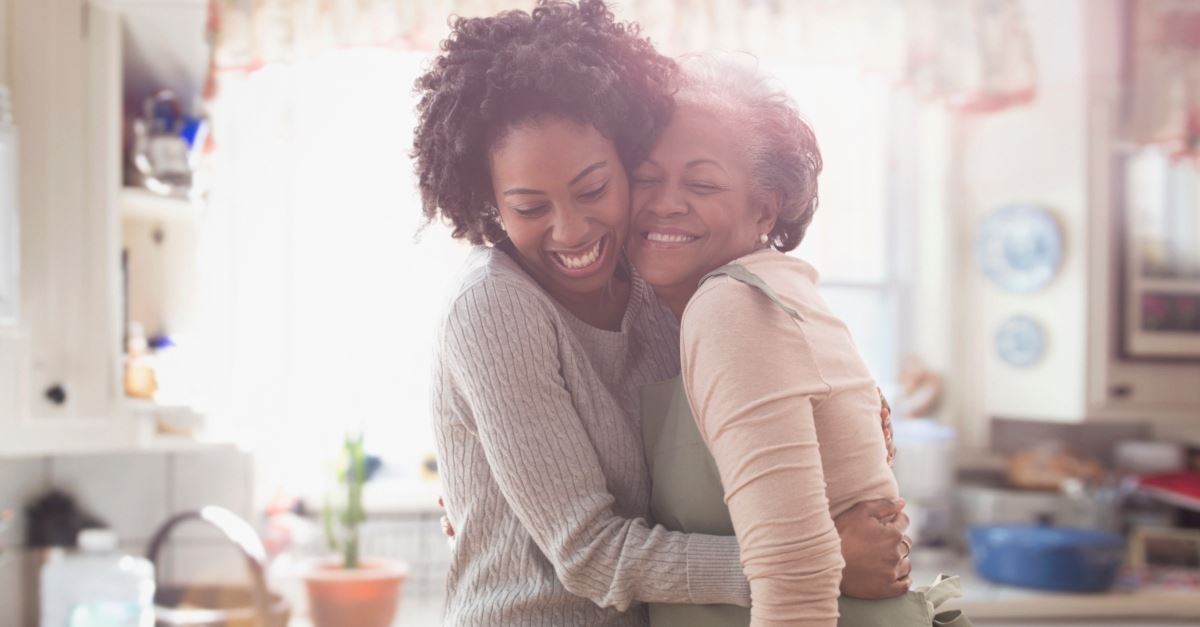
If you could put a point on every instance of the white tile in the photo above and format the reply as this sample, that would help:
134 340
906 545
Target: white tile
21 479
128 491
220 477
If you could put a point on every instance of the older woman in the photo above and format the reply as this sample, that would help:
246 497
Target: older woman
784 405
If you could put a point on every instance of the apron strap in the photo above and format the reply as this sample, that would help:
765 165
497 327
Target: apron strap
943 589
739 272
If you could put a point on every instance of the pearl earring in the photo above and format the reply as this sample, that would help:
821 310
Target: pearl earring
762 239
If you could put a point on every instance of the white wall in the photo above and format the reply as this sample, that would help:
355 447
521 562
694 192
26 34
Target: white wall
1036 153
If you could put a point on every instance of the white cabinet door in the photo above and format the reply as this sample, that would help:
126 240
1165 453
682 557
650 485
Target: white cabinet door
66 88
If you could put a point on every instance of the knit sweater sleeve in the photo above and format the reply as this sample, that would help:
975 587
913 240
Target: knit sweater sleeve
500 344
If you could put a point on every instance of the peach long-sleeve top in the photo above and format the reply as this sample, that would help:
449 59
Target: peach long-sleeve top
791 415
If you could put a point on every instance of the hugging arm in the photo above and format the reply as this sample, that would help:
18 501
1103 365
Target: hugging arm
501 346
756 388
760 426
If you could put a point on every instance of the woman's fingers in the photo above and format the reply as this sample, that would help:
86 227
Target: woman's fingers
885 417
447 527
884 510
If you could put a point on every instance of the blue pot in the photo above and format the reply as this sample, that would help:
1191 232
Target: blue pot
1047 558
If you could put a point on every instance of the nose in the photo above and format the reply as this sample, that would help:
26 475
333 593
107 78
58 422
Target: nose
667 202
570 227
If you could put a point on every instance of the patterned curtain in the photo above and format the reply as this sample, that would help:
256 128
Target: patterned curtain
1164 102
972 54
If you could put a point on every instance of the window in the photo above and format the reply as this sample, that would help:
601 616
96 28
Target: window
321 302
854 240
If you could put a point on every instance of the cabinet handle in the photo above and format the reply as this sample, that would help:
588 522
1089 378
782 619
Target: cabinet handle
56 394
1120 390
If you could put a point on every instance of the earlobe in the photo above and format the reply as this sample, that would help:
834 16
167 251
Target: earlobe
769 212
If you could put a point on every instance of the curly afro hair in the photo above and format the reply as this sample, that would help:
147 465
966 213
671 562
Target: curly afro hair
493 73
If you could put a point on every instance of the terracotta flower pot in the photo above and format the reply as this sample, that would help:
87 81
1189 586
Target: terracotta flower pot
362 597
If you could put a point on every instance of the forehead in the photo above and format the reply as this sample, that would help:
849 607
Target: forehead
548 147
695 133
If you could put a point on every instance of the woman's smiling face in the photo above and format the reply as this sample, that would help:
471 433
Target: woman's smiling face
694 205
563 198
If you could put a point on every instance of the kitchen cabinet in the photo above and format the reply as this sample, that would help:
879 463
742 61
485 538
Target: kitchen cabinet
65 351
1120 386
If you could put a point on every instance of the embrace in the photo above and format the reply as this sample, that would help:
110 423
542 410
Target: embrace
645 413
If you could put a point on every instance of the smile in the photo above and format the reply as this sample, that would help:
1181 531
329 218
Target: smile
667 239
584 261
670 238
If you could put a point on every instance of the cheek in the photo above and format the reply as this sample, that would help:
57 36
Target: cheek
616 208
522 232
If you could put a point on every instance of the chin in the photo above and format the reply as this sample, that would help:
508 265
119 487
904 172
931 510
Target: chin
657 274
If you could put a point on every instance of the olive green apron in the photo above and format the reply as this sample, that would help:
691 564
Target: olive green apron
686 495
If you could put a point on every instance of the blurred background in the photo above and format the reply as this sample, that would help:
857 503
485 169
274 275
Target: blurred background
213 269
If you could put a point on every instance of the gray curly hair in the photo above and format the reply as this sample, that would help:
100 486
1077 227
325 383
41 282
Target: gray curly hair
780 146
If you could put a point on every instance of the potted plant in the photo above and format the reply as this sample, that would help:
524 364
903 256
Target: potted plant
350 591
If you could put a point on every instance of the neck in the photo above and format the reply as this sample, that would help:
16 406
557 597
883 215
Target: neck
603 309
677 296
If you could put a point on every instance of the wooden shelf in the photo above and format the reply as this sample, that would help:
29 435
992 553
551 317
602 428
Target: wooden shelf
142 204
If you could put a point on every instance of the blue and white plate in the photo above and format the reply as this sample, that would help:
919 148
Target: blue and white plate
1019 247
1021 341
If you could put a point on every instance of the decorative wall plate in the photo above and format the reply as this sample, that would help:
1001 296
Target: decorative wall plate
1019 247
1021 341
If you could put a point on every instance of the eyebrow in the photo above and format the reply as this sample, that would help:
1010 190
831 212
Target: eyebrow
588 170
525 191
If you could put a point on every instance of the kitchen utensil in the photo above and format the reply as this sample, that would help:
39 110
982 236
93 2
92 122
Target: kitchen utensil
163 138
219 606
925 469
1180 489
988 505
1047 558
96 585
1144 457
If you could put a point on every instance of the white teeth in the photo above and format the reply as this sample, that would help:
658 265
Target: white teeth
669 238
581 261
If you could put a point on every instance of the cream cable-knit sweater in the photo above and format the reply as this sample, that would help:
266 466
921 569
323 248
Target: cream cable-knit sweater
540 450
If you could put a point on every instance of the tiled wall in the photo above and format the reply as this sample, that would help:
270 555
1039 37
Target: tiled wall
134 493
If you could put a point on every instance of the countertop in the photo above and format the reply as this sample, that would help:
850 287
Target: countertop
983 600
988 604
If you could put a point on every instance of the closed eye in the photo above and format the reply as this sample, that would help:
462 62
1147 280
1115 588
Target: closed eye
701 187
595 193
529 212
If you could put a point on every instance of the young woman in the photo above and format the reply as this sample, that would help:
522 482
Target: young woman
785 433
528 123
